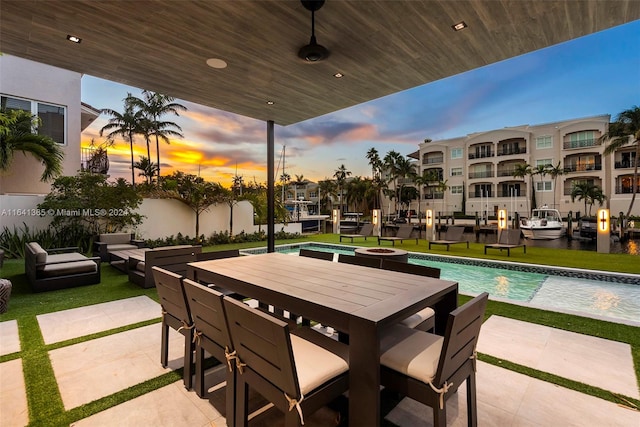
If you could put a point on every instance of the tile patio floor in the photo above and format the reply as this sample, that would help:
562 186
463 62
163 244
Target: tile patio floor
102 366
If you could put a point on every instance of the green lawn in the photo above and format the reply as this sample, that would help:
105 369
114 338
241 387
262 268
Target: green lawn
45 404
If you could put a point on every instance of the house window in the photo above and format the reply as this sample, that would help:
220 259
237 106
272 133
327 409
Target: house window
313 194
544 186
544 162
52 117
456 189
544 141
456 171
456 153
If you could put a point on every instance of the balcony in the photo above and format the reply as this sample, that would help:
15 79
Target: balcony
521 193
433 160
625 164
483 174
434 196
480 195
583 168
473 156
506 172
511 151
581 143
624 189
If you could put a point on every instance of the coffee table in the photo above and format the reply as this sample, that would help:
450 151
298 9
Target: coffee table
120 259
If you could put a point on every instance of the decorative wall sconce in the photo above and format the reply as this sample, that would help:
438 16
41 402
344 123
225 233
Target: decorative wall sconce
502 219
429 217
604 222
375 219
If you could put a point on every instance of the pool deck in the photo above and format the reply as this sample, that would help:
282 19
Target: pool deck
94 368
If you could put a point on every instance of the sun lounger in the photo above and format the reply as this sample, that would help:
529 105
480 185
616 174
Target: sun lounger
508 240
365 231
451 237
404 233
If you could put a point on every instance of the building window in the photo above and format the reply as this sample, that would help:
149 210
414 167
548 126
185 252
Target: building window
456 153
313 194
544 141
544 162
52 117
544 186
456 189
456 171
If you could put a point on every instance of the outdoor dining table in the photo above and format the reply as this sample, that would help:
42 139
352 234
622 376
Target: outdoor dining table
360 301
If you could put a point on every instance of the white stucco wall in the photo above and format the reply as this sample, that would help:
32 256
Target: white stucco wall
22 78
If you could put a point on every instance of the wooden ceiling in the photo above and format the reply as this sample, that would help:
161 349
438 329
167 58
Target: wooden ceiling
382 47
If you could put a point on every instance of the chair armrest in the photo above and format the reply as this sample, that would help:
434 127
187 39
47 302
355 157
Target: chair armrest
139 243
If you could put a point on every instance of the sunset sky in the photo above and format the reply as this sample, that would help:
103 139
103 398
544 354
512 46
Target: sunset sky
593 75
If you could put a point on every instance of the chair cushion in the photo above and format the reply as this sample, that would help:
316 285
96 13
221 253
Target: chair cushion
114 238
120 247
413 353
41 254
314 364
415 319
140 266
68 268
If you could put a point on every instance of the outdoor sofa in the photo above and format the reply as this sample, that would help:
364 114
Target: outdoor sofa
171 258
58 268
111 242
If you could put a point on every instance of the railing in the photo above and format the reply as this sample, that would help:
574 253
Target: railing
583 168
521 193
485 174
510 151
481 155
432 160
625 164
581 143
479 195
506 172
434 196
624 190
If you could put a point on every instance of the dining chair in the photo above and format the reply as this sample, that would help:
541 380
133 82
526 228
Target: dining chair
359 260
209 256
429 368
425 319
328 256
295 374
175 314
211 334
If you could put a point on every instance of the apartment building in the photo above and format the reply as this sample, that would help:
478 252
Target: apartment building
480 168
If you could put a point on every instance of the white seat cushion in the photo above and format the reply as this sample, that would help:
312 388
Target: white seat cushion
415 319
411 352
314 364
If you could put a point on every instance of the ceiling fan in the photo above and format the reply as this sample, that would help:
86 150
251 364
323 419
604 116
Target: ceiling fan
313 52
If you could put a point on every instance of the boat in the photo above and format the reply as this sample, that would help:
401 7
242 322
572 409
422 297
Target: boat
544 224
299 212
350 222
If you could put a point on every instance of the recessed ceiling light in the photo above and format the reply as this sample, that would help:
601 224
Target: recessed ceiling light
459 26
216 63
74 39
270 102
338 75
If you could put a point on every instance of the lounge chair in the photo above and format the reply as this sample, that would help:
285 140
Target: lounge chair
429 368
172 258
508 240
327 256
365 231
359 260
113 242
452 236
404 233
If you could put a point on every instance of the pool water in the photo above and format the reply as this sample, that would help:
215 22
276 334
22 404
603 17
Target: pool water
580 295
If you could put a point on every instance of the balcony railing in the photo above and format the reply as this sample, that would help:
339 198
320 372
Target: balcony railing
521 193
511 151
484 174
581 143
624 190
625 165
481 155
583 168
432 160
506 172
434 196
479 195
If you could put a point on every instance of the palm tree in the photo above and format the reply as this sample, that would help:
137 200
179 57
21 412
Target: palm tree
327 189
540 170
148 168
422 181
238 183
390 163
625 131
16 134
589 193
442 187
521 170
341 175
376 174
298 181
154 106
125 125
284 178
554 172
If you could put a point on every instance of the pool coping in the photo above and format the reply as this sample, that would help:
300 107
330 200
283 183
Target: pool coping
599 275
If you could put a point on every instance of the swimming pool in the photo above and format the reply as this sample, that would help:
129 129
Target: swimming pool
612 296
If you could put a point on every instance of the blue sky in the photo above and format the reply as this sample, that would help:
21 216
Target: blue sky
592 75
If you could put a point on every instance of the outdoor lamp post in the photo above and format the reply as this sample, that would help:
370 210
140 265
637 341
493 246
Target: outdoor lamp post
604 225
375 219
502 221
335 218
429 226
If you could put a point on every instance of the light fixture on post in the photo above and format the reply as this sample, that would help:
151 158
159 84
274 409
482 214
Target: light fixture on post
313 52
502 222
429 226
604 237
375 220
335 218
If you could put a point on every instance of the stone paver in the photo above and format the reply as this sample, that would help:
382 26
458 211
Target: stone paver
9 338
13 397
590 360
78 322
